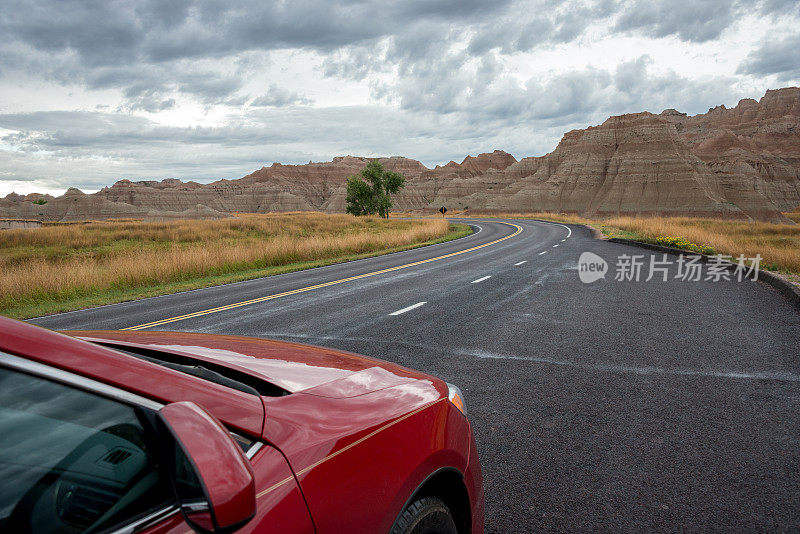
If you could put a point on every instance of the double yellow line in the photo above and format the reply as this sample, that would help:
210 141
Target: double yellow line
317 286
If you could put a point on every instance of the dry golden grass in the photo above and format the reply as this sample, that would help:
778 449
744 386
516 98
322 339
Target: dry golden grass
62 262
454 214
544 215
95 233
778 244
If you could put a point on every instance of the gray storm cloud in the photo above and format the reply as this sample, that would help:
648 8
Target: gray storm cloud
437 79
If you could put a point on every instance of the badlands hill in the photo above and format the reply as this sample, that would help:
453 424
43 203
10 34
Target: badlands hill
740 163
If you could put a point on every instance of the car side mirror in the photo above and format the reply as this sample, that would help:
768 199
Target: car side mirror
213 479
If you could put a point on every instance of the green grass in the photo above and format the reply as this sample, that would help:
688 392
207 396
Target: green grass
99 297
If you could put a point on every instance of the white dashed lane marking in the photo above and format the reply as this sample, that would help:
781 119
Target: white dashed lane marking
417 305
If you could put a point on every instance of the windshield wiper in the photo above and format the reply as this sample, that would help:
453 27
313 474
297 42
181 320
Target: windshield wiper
198 371
218 374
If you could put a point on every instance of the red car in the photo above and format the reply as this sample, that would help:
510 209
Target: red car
162 432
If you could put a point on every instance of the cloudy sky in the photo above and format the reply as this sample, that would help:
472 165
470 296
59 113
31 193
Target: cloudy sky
91 92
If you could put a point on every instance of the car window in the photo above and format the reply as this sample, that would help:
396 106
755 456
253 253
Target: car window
72 461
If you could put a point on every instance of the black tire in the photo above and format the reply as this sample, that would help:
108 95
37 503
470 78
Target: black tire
428 515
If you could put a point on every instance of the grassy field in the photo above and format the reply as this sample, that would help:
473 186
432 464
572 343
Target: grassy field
778 244
62 267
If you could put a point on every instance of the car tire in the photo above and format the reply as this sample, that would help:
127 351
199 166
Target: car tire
428 515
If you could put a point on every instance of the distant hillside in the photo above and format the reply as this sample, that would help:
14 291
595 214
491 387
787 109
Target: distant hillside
740 163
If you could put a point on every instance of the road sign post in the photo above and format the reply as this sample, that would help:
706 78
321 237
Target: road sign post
442 210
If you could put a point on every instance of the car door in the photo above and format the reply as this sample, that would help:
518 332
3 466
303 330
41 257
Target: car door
77 455
72 460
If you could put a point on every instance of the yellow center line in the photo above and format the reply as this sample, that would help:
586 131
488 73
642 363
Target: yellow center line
317 286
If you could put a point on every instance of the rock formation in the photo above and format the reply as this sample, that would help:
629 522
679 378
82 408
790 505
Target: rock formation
737 163
752 147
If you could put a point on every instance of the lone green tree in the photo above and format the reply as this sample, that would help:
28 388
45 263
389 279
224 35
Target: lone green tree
371 193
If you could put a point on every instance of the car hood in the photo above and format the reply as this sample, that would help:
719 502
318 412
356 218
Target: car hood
293 367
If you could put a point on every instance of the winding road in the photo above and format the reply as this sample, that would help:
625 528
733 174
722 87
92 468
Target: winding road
611 406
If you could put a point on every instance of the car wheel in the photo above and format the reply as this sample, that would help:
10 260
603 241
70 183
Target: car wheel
428 515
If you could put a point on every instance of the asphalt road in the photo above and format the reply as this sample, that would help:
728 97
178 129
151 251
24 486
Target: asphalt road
612 406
